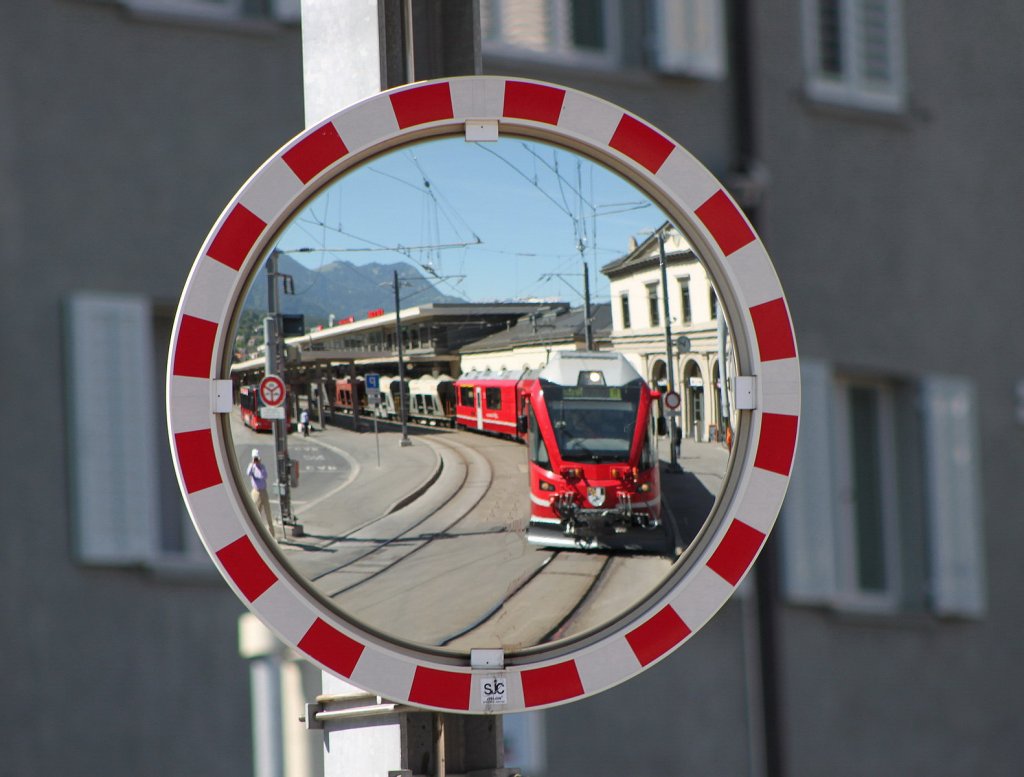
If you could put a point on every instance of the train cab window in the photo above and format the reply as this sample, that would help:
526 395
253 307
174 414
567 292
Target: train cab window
538 451
466 396
492 398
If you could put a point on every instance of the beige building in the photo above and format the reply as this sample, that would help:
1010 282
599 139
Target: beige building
697 331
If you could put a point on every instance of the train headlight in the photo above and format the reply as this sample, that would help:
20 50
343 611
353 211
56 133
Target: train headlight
545 486
644 488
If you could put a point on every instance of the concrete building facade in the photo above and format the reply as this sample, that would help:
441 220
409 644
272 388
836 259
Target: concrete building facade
873 142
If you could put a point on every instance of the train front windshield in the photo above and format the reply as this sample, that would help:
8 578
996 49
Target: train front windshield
593 423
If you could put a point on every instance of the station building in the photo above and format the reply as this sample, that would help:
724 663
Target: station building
693 340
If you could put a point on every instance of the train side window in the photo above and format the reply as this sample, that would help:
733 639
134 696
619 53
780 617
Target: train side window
466 396
493 398
649 452
535 442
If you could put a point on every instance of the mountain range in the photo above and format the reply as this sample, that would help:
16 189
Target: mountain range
343 289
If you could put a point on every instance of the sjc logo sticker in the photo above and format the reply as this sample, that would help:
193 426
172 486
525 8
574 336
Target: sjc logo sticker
494 690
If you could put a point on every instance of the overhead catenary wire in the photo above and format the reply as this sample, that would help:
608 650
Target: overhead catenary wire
550 178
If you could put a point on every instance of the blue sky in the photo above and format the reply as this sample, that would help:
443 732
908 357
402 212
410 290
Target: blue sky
528 203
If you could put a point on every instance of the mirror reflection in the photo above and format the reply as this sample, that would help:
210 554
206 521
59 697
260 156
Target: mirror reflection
504 412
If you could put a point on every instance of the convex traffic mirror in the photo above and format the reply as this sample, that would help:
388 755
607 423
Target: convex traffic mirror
542 477
492 457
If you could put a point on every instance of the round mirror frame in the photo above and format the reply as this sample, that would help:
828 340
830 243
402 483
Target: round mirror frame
767 391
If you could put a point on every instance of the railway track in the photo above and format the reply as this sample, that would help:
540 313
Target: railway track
453 569
381 544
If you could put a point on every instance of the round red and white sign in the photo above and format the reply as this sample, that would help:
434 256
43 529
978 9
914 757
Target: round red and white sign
765 353
672 400
272 391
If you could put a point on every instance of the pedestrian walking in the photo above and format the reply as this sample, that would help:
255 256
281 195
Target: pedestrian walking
258 482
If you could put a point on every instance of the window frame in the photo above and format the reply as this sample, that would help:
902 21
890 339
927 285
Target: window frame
688 38
558 46
216 11
850 88
852 593
685 301
938 550
624 310
653 304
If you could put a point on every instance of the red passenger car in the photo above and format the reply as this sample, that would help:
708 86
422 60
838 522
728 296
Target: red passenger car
487 401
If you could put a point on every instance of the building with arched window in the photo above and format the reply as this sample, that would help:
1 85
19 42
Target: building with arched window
693 330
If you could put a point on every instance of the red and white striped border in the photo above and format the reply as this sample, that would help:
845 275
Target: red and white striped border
762 330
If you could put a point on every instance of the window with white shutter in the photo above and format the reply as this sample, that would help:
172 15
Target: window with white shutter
883 511
689 37
580 32
125 507
853 53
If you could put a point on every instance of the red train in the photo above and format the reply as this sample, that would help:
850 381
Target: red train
494 402
591 438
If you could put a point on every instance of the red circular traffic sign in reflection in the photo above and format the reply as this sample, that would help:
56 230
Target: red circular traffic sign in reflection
272 391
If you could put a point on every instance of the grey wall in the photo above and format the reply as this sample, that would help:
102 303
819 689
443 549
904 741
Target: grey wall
897 241
120 141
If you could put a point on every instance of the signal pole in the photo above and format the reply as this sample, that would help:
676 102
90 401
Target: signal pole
403 394
275 366
673 465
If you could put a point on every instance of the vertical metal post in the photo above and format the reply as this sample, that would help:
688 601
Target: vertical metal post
587 328
275 366
403 395
356 424
673 465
